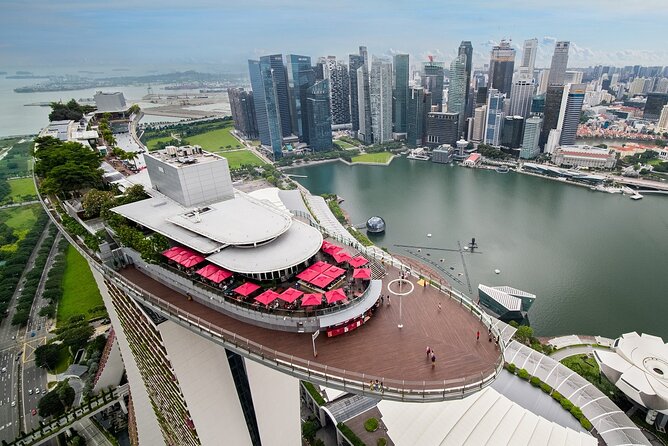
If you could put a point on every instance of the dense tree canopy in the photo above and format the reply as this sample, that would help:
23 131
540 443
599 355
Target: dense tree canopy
46 356
57 401
69 111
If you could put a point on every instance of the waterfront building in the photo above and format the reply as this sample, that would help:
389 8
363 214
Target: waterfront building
474 159
584 156
319 121
457 92
654 105
551 111
506 303
266 108
466 50
243 112
501 65
479 123
442 128
339 90
528 58
511 133
380 88
662 125
401 74
276 78
432 81
570 111
415 116
443 154
530 148
364 133
521 95
494 117
301 76
110 102
559 63
355 61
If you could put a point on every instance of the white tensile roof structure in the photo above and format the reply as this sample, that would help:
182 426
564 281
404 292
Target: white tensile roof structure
638 366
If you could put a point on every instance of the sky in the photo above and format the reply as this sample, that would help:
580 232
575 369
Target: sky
224 34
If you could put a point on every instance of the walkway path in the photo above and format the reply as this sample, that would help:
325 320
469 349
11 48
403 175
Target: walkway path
571 351
23 203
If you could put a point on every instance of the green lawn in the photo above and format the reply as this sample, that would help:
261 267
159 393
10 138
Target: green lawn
216 140
379 157
80 292
237 158
343 145
20 219
20 188
152 143
64 360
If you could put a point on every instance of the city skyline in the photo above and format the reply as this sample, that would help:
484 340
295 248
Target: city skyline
172 33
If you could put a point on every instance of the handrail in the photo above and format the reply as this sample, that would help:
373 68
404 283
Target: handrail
347 380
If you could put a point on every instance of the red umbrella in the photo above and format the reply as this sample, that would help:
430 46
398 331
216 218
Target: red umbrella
246 289
290 295
335 295
311 299
207 271
220 275
322 281
362 273
341 256
192 260
267 297
308 274
183 255
172 252
320 266
358 261
334 271
325 245
331 249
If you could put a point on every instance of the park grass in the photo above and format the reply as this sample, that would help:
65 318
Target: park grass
238 158
378 157
586 366
20 187
64 360
216 140
80 292
343 145
20 220
152 143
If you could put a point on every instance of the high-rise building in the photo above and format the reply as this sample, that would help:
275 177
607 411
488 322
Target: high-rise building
530 148
355 61
266 107
551 111
243 112
521 96
415 116
544 78
494 117
380 93
573 77
319 123
480 96
511 133
479 115
466 49
458 89
301 76
538 104
569 114
552 141
365 56
339 90
401 75
559 63
528 58
442 128
276 77
432 81
654 105
364 133
662 125
501 65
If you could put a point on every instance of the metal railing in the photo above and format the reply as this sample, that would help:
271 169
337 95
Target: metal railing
351 381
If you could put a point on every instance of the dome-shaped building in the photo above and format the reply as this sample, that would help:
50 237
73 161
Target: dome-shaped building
375 225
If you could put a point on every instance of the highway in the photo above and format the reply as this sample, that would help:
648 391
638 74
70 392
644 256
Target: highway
11 353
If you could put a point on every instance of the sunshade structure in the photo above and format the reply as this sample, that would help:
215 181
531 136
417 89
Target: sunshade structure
267 297
290 295
173 251
335 295
322 280
309 300
331 249
319 266
358 261
191 261
334 271
214 273
246 289
362 273
341 256
326 245
308 274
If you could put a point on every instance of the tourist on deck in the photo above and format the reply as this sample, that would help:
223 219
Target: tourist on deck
428 351
433 360
477 335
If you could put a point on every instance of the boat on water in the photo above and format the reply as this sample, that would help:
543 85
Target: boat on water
636 197
502 169
418 154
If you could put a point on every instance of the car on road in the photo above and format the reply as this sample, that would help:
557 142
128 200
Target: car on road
32 334
29 391
33 412
13 403
37 390
4 370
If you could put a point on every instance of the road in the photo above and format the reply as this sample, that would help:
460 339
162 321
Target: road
11 351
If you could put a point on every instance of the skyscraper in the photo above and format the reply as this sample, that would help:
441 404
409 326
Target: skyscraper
466 49
528 58
479 115
274 72
415 116
654 105
511 133
458 89
530 148
319 116
501 65
243 112
521 96
662 125
569 115
559 63
432 81
442 128
300 77
380 94
401 75
355 61
551 111
365 56
364 105
339 90
266 107
544 78
494 118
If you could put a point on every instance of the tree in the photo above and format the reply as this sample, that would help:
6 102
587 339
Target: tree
524 333
66 393
95 201
77 336
50 404
46 356
134 109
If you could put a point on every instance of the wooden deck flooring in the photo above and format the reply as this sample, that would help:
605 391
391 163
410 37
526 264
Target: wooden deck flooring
378 347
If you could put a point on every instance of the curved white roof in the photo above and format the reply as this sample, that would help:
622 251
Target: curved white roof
298 244
240 221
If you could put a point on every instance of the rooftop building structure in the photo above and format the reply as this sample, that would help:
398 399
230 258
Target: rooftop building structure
584 156
109 102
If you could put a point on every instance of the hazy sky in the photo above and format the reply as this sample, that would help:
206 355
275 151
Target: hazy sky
49 33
